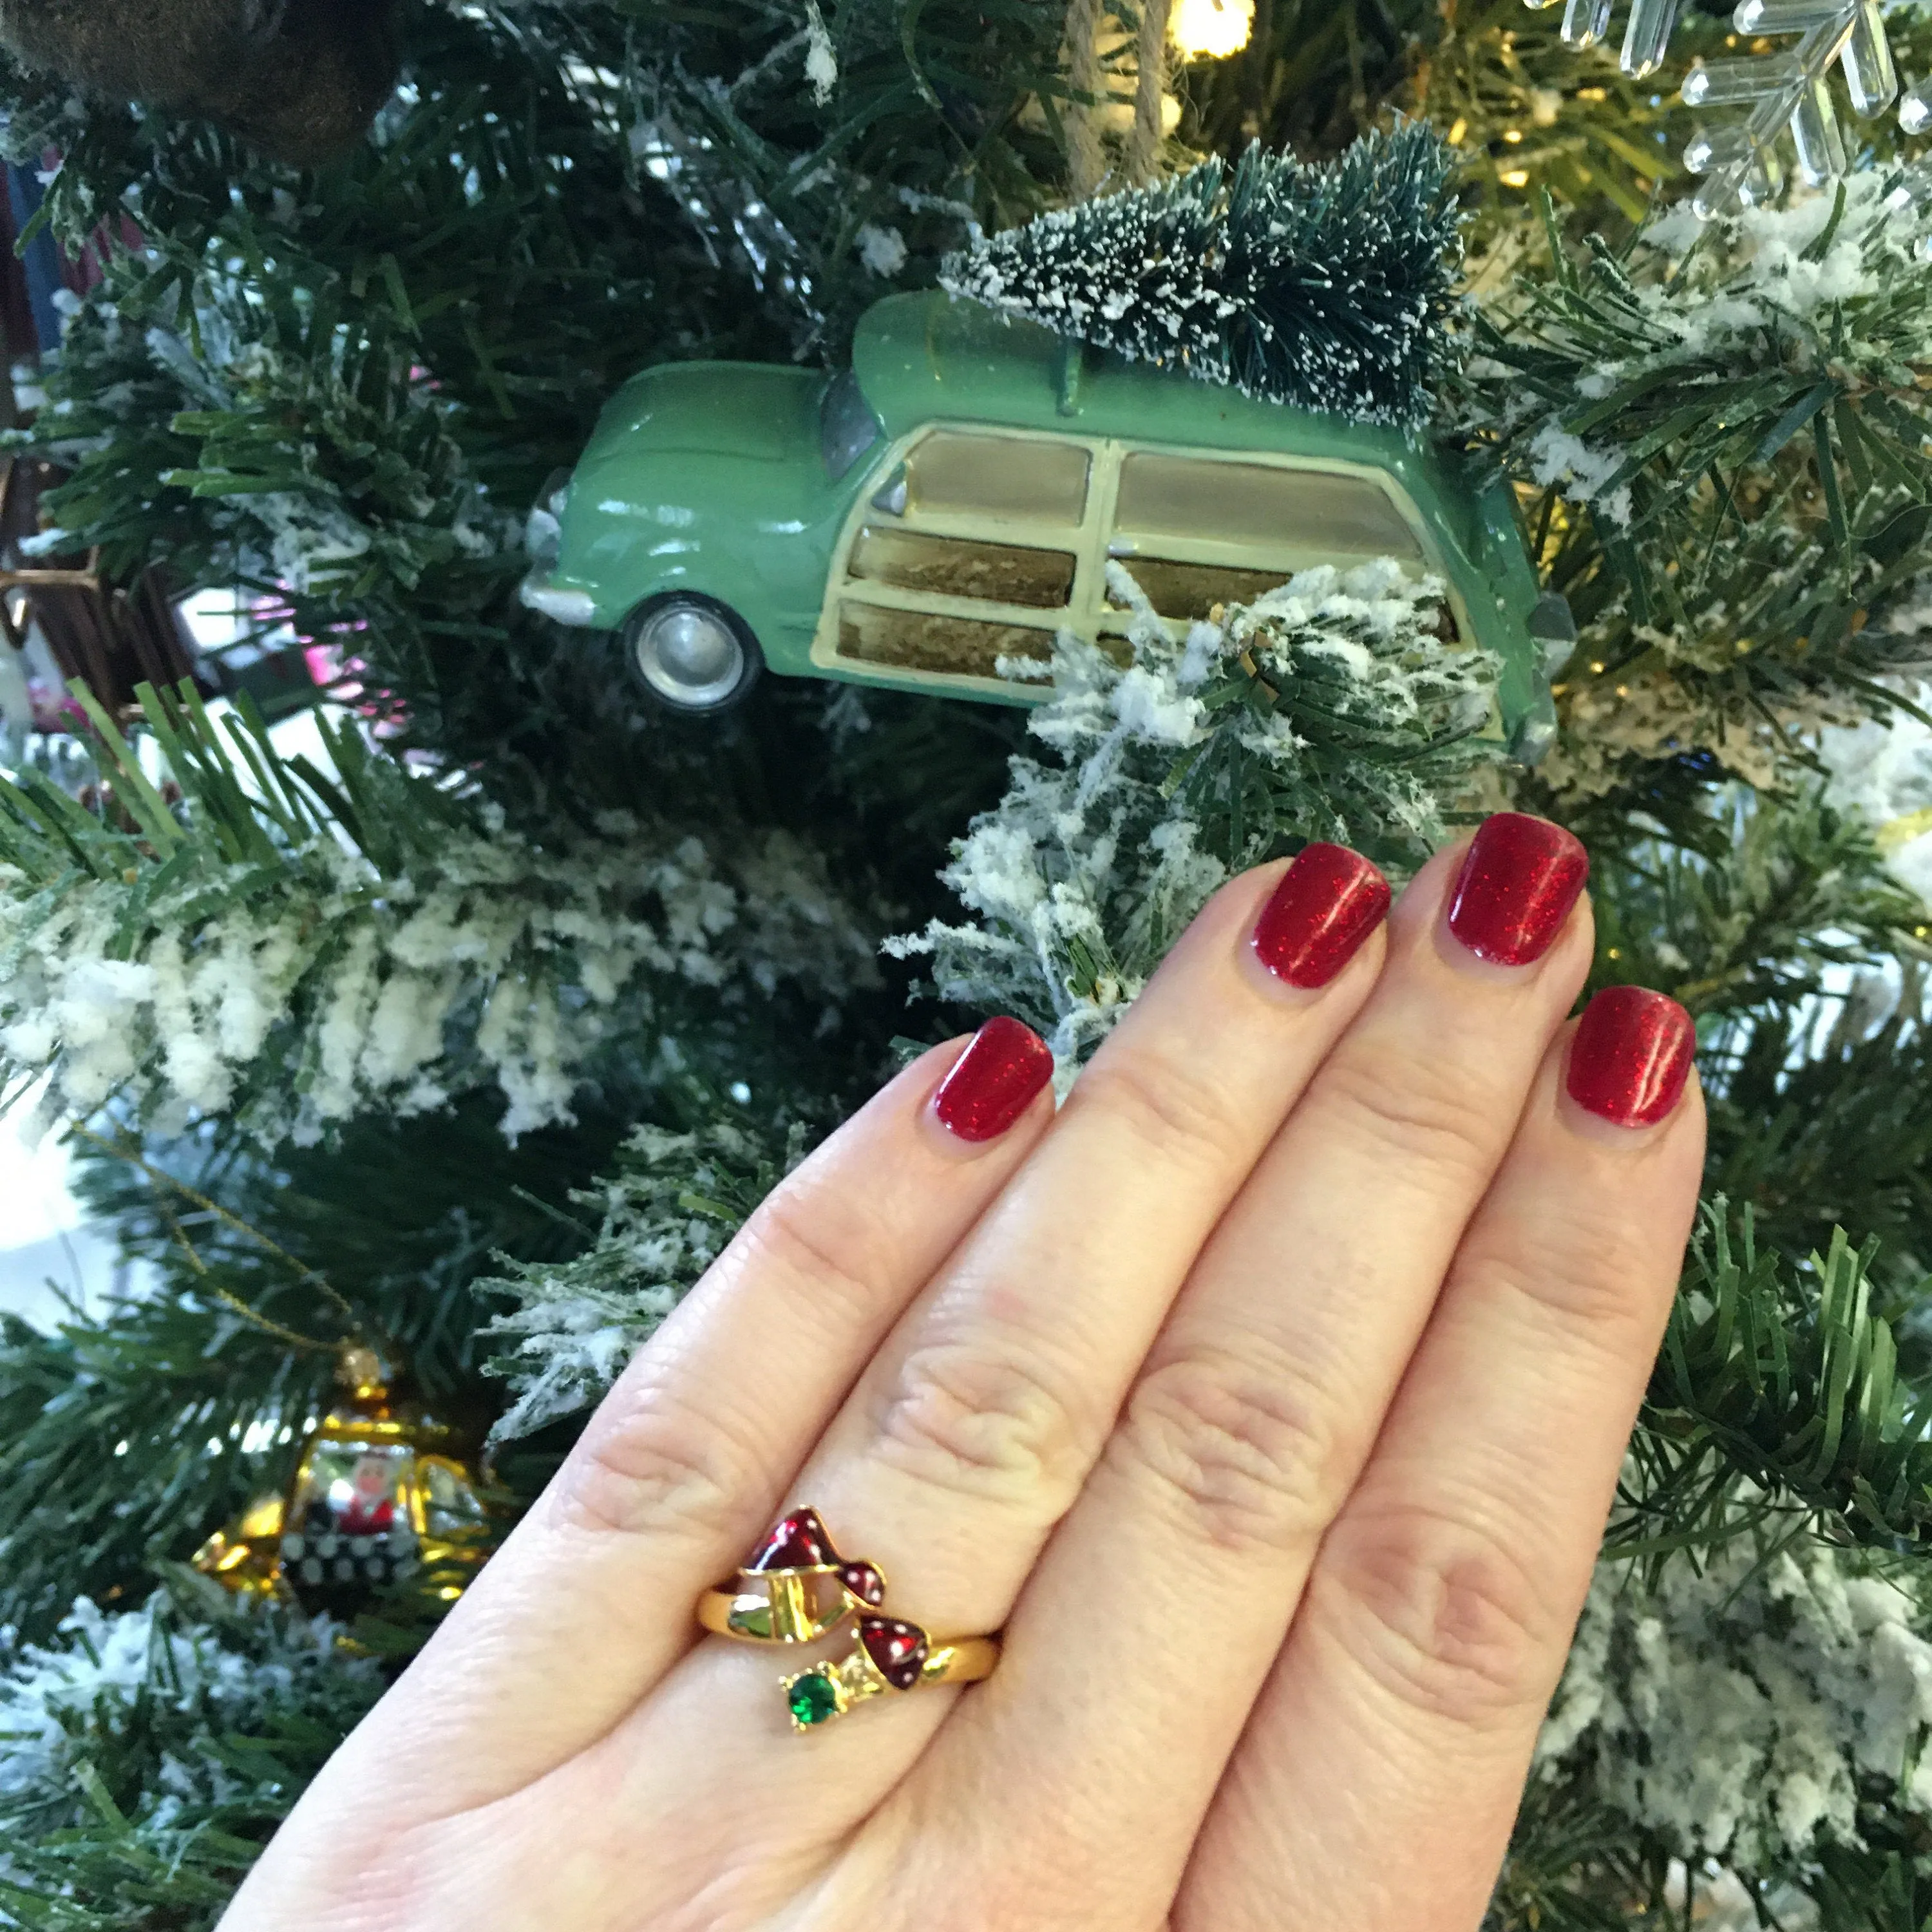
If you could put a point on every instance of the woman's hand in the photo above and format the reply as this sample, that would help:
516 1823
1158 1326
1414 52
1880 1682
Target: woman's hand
1270 1399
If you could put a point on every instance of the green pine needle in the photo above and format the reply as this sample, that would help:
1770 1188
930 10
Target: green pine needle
1778 1399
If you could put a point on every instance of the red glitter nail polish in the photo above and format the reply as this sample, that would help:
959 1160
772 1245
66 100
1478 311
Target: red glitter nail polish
1518 882
1631 1056
1326 903
993 1082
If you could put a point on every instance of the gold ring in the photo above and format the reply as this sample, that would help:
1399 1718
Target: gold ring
794 1587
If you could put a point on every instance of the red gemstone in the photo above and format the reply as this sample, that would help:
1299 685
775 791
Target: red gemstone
898 1649
864 1582
795 1542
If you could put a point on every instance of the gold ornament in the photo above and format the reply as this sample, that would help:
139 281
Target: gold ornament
376 1498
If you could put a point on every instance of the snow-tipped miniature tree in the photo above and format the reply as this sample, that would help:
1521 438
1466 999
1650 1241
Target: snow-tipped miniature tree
1330 286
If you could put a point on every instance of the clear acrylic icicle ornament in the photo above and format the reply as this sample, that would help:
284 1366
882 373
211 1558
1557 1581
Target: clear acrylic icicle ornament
1788 92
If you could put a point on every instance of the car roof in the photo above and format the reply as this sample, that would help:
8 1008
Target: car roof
919 357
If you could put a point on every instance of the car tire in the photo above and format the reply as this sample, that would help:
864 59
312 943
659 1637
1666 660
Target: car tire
690 653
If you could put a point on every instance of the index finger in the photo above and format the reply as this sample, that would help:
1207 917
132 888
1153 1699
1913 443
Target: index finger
589 1600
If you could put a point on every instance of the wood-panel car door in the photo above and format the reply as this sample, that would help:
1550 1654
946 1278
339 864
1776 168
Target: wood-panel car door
980 544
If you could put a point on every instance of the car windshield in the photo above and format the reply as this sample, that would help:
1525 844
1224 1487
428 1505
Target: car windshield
847 427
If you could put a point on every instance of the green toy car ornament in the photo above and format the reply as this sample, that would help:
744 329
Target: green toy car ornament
954 497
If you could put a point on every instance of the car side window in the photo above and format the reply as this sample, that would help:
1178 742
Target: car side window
964 567
1006 479
1194 531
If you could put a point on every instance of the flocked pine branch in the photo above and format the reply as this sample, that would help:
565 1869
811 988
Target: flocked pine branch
146 1757
1738 1747
665 1212
1329 708
1329 287
1728 448
174 953
1637 386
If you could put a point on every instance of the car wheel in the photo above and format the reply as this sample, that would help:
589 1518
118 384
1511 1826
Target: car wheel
691 653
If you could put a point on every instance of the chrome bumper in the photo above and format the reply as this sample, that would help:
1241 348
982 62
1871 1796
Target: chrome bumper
575 607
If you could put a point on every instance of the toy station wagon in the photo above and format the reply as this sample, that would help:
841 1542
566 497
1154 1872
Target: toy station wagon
954 497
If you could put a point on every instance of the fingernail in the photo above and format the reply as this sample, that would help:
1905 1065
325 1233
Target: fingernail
1326 903
1631 1056
1519 879
993 1082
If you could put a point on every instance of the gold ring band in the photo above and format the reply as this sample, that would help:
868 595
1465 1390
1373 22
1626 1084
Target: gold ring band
795 1587
965 1660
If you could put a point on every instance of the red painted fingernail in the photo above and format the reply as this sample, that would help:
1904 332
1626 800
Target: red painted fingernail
1519 880
993 1082
1631 1056
1326 903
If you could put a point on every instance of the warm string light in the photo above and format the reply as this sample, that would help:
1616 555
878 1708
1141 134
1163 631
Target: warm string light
1211 29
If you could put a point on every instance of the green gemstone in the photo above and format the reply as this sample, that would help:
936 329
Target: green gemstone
814 1699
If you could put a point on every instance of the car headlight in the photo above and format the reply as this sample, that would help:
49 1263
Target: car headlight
543 538
543 529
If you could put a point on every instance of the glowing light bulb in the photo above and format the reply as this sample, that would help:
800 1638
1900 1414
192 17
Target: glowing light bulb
1211 29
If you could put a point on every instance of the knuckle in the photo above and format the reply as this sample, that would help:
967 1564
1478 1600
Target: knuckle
821 1244
1586 1281
1448 1614
983 1420
1165 1105
1245 1452
654 1467
1418 1112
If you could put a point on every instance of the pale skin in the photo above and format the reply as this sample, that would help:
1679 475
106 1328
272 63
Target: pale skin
1269 1398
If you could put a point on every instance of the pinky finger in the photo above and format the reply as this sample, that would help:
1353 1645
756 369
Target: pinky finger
1404 1708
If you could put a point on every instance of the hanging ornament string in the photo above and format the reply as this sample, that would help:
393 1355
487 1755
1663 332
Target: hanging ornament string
1143 144
307 1277
1086 160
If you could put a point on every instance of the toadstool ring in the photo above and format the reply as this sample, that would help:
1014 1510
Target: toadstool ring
795 1587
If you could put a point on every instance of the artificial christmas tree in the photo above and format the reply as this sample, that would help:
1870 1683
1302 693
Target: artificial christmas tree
504 1017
